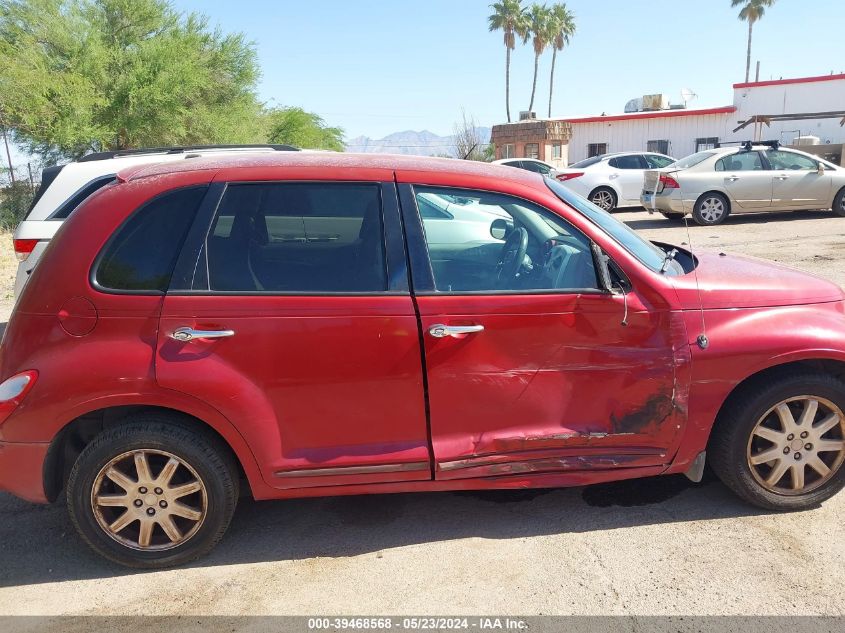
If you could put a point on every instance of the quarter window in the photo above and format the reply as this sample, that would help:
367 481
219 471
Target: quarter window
142 253
298 237
80 196
742 161
496 243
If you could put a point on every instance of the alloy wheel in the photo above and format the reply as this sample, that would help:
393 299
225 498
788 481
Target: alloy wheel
712 209
798 445
603 199
149 500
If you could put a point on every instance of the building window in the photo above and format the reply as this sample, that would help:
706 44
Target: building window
532 150
660 147
708 142
508 151
556 150
596 149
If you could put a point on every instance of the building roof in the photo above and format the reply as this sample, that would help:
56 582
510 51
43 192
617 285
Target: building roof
655 114
796 80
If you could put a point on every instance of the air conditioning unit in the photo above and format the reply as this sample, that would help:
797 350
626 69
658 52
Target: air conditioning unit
655 102
526 115
634 105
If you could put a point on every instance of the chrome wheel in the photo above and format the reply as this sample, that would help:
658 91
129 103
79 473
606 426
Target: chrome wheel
149 500
712 209
603 199
798 445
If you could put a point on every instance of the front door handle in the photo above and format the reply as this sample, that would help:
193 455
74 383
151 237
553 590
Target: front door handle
782 177
733 178
456 331
185 334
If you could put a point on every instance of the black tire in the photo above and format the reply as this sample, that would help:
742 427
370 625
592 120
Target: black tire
839 202
711 208
727 451
604 198
673 217
160 435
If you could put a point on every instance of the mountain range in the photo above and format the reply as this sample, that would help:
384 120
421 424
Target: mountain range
422 143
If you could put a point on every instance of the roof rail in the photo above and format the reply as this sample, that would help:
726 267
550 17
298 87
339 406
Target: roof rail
748 145
179 150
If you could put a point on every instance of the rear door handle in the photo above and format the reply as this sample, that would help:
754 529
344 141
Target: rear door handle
733 178
185 334
782 177
456 331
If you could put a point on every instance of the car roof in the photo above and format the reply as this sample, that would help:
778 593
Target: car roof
348 161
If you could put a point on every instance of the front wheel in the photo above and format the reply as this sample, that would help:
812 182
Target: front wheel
781 444
711 209
839 202
152 493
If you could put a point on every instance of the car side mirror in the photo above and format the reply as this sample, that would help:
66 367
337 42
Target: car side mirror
821 169
500 228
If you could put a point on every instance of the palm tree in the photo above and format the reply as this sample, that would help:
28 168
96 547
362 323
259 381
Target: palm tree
752 10
562 26
509 17
538 28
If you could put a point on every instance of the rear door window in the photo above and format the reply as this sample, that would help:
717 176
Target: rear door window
298 238
634 161
140 256
742 161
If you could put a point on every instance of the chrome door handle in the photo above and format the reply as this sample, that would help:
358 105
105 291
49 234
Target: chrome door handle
782 177
185 334
457 331
733 178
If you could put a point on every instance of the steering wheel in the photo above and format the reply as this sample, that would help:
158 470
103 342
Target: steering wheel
513 256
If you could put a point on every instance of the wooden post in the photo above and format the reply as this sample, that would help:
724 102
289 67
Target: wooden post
9 156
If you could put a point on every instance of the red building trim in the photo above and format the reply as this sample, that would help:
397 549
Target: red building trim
658 114
782 82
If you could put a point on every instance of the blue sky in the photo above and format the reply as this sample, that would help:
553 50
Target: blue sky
378 66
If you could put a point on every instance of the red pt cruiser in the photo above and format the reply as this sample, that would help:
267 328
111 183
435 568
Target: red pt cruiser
324 324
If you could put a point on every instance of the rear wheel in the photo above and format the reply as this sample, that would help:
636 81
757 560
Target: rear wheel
604 198
710 209
781 445
839 202
152 493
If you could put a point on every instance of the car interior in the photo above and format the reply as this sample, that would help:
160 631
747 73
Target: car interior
527 249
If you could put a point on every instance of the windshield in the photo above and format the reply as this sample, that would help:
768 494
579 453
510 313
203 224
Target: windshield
586 162
645 251
692 160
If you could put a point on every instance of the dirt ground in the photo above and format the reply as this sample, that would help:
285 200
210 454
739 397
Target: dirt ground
660 546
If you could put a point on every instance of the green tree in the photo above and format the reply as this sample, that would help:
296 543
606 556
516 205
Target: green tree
509 16
295 126
752 10
562 27
82 75
539 24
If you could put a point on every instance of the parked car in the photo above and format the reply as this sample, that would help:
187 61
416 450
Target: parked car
529 164
279 325
611 181
65 187
715 183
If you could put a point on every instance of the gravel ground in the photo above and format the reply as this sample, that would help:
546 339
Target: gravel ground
661 546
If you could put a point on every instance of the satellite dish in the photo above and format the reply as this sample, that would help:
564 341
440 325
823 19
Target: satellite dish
687 95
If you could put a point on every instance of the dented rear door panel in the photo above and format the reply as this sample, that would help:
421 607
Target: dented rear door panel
553 383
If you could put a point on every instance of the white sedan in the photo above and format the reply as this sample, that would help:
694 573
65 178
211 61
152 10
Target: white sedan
612 180
713 184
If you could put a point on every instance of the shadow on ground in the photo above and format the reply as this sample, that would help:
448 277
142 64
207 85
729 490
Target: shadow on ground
657 221
38 543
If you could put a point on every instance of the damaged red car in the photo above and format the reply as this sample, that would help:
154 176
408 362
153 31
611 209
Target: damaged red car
316 324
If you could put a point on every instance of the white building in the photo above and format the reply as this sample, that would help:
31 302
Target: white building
679 132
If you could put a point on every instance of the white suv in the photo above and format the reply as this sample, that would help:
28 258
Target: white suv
65 187
612 180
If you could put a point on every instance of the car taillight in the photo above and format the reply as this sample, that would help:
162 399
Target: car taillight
13 390
667 182
23 248
576 174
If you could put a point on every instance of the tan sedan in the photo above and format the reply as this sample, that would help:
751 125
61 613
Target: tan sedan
712 184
